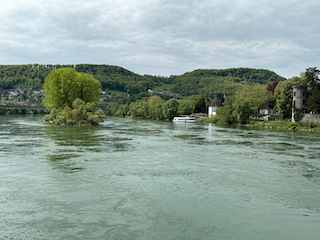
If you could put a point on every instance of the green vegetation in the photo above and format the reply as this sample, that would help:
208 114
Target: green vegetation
313 83
285 126
163 87
77 93
110 77
212 83
153 108
63 86
238 108
207 83
8 111
283 95
81 113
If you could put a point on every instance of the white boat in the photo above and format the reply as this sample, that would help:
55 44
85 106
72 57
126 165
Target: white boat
184 119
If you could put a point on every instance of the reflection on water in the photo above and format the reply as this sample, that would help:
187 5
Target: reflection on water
138 179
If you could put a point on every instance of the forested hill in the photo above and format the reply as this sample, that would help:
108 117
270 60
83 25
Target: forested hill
212 83
208 83
112 77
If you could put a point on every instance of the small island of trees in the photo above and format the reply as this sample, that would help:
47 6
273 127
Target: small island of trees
71 98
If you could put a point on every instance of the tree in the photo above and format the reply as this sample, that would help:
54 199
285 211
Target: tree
313 81
272 86
155 107
185 107
283 95
80 113
170 108
62 86
225 113
255 95
198 104
243 104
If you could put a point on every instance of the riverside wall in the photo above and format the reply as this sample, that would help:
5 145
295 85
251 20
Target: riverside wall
307 118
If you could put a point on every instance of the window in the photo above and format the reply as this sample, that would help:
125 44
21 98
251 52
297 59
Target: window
294 94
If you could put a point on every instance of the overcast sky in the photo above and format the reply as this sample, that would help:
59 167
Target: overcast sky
163 37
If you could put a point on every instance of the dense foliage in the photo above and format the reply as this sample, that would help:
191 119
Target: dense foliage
245 102
211 83
81 113
8 111
153 108
63 86
77 93
283 95
110 77
313 83
208 83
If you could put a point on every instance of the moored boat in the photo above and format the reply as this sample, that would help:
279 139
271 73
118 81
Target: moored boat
184 119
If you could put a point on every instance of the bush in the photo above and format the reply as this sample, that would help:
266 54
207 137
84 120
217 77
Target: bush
81 114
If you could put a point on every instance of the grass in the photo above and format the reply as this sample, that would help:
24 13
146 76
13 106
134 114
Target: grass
283 125
164 87
116 93
275 125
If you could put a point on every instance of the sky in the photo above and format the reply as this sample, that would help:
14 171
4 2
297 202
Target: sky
163 37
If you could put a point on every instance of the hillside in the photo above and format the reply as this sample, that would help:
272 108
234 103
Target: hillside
208 83
213 82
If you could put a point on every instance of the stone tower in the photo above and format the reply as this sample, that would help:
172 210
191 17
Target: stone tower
299 100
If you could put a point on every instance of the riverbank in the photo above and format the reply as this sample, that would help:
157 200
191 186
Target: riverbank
276 125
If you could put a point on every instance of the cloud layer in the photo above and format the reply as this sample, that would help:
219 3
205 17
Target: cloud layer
163 37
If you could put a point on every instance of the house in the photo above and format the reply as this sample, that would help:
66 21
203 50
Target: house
212 110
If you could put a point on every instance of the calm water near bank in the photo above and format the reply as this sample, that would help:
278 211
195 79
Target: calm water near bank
138 179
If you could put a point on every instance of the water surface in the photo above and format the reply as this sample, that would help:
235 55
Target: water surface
137 179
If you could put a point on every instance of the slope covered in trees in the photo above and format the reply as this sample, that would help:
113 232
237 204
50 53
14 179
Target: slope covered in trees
208 83
212 83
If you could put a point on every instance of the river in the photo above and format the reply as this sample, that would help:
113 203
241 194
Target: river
139 179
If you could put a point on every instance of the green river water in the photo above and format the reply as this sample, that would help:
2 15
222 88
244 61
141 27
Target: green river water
137 179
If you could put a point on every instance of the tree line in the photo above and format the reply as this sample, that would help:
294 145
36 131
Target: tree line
159 109
217 83
208 83
247 101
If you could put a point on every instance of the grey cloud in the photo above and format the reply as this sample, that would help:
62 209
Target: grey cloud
163 37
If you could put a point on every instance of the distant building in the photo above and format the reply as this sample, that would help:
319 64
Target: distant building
299 100
212 110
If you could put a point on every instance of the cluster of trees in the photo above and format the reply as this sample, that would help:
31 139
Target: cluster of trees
157 108
208 83
72 98
244 103
81 113
212 83
110 77
283 92
8 111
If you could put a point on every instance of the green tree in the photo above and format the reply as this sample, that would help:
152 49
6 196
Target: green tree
198 104
155 107
313 81
185 107
283 95
170 108
225 113
62 86
242 109
249 100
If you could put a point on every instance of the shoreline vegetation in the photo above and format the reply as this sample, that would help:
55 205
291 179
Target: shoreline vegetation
72 96
240 97
270 125
80 114
8 111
